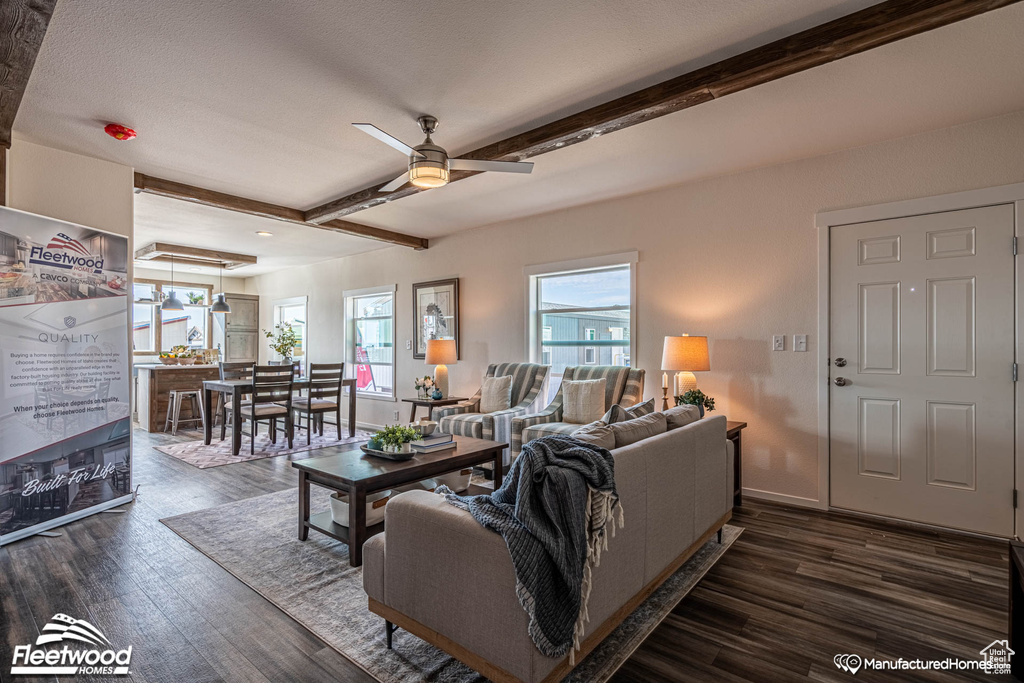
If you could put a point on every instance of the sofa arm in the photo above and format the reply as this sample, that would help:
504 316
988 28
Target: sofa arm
373 567
519 425
458 409
445 571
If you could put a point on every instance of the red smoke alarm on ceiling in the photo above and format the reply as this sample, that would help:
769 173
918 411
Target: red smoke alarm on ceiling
119 132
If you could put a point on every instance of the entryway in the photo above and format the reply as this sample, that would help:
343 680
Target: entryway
921 377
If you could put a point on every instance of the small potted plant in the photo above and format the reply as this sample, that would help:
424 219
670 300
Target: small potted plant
696 397
284 339
424 386
196 298
394 439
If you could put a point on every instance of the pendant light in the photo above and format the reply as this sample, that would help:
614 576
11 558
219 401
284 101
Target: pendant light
172 303
221 306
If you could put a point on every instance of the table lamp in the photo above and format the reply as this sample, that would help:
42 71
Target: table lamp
442 353
686 355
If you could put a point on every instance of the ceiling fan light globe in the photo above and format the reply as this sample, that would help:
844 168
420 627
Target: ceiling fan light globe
428 175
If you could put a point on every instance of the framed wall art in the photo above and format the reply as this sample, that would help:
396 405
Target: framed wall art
435 307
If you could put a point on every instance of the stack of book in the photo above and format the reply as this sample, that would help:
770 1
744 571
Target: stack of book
434 442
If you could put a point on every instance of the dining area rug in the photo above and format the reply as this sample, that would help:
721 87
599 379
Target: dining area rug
313 583
218 453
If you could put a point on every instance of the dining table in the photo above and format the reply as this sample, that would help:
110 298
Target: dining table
237 388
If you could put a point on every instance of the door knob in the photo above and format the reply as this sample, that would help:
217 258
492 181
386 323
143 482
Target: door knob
840 362
841 381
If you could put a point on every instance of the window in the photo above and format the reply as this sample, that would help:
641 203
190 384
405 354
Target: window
154 330
583 312
293 312
370 340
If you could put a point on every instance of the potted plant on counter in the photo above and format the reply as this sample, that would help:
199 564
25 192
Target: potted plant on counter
696 397
394 439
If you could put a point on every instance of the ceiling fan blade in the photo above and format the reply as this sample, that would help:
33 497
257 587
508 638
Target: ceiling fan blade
391 140
396 183
499 166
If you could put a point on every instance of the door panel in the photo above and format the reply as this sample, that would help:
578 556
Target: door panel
923 314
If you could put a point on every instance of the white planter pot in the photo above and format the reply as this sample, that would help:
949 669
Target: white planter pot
458 480
375 503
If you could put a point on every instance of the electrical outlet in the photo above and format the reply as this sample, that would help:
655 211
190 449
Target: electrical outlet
396 416
408 344
799 342
779 342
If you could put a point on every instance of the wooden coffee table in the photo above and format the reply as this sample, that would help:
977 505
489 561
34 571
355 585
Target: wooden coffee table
347 469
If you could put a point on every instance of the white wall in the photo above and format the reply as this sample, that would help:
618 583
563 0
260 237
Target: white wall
233 285
733 257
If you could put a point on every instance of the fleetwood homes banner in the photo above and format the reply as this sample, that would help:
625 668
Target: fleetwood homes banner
65 365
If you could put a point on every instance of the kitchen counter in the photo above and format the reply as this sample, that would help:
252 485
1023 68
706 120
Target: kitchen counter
156 381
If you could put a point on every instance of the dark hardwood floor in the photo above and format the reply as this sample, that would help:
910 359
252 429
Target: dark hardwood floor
796 589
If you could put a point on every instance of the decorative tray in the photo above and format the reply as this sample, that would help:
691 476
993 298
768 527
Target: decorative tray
387 454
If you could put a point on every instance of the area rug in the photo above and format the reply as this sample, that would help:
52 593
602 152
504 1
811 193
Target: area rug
313 583
218 453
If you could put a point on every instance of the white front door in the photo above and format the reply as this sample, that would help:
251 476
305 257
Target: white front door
922 344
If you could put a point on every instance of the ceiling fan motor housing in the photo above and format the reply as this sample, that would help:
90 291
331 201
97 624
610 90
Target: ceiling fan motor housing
430 170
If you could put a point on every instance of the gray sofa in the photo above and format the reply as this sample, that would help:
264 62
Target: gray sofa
440 576
625 386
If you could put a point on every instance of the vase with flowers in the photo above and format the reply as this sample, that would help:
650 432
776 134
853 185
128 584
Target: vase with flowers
424 386
283 340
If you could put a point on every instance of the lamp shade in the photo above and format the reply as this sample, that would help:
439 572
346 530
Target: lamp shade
686 354
220 305
172 303
441 352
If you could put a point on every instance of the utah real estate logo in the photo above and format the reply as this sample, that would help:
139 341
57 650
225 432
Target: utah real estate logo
99 659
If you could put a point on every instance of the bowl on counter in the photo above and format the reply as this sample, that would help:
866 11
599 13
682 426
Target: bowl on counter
167 360
187 361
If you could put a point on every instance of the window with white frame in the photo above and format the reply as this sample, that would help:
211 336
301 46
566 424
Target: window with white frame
370 340
581 313
155 330
293 312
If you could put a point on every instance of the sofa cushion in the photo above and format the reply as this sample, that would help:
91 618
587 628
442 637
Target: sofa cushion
680 416
597 433
496 394
638 429
584 400
619 414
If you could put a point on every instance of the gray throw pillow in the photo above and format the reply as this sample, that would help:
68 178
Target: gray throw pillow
583 400
638 429
619 414
597 433
496 394
680 416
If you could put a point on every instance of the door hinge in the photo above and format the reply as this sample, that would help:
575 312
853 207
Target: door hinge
1014 372
1015 498
1014 246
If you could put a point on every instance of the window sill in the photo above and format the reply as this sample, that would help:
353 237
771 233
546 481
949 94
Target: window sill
375 397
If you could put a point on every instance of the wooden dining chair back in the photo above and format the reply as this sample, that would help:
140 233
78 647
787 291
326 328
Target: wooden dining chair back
271 399
236 370
324 396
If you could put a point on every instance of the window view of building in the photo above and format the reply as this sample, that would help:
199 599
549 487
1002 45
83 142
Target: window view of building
370 333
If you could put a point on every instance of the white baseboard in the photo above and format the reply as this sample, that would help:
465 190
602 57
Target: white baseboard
784 499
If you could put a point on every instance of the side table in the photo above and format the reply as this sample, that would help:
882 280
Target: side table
734 433
429 403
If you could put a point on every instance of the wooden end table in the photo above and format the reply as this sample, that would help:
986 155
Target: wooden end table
429 404
347 469
734 433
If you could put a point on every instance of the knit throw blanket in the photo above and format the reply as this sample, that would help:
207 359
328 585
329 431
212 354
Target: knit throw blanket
555 510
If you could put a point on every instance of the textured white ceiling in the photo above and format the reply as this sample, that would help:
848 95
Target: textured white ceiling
255 98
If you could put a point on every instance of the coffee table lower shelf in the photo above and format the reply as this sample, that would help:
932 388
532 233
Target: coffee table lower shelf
325 524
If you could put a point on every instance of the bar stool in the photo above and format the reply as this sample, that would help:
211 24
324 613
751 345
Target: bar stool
174 409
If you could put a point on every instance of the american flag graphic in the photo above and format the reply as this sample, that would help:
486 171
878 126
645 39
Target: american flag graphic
62 241
63 627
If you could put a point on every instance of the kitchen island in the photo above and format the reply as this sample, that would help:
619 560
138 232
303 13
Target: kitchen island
155 383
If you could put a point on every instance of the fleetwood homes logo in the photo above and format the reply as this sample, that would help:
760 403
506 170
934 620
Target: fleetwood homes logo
66 252
99 659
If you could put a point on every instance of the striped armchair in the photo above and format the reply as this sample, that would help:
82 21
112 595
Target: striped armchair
465 419
625 387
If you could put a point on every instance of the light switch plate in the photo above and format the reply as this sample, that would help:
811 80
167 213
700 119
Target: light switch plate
779 342
408 344
799 342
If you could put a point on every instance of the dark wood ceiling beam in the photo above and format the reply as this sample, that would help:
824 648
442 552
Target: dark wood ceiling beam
23 25
869 28
221 200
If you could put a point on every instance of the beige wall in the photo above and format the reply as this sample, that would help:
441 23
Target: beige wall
70 187
733 257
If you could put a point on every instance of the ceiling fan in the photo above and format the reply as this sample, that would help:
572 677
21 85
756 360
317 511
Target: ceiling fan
429 163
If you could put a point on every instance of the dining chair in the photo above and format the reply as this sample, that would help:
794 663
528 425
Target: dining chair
324 396
271 399
238 370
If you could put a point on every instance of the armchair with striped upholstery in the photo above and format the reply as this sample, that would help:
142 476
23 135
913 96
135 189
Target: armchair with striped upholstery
625 386
465 419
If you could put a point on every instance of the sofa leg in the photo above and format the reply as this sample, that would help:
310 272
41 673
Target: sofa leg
389 630
719 537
